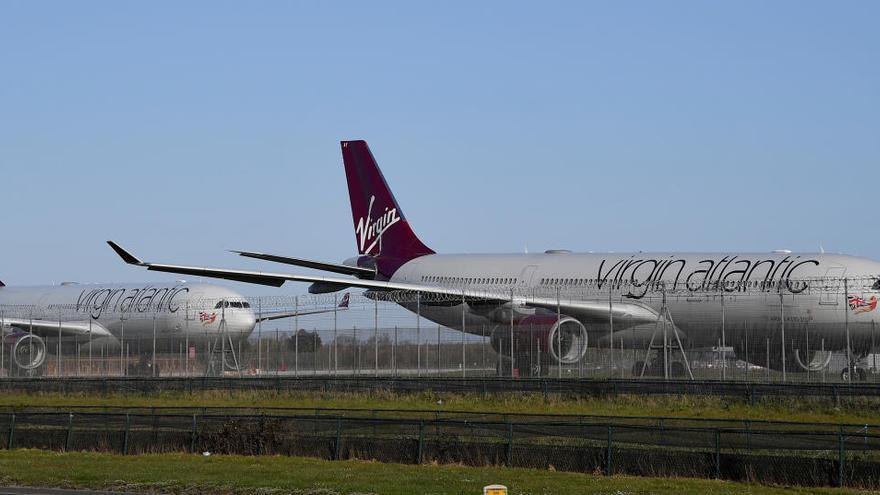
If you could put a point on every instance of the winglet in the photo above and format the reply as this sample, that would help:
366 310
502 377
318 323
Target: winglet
125 255
345 299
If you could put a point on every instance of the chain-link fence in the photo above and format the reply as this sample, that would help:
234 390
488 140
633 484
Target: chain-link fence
762 451
812 331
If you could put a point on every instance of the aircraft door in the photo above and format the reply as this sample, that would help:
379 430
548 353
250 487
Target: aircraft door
832 285
525 277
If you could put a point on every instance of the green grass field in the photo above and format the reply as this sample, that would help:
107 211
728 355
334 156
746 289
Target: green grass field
191 474
855 411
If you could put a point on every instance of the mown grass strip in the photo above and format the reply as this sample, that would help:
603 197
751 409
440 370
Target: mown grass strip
852 410
190 474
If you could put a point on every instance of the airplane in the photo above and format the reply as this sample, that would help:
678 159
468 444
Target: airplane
578 299
104 315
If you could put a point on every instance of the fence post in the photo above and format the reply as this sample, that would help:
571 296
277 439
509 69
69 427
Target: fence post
338 438
125 435
749 435
69 432
11 438
841 455
192 435
608 457
662 432
376 336
717 453
420 451
418 334
509 444
463 331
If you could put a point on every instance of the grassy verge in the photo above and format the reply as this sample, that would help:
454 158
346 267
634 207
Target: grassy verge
185 474
858 411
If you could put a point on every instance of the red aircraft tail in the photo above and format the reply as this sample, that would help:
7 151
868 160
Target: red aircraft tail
380 228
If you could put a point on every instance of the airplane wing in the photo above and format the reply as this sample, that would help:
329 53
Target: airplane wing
586 310
318 265
277 315
49 328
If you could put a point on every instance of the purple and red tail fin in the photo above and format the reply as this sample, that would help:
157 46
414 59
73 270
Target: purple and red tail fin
379 225
2 284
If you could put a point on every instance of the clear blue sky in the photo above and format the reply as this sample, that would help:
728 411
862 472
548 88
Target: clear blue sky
181 129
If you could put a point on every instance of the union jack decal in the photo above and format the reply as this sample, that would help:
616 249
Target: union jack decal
860 305
206 318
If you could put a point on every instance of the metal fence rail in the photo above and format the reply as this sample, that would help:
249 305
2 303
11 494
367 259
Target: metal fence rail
770 452
750 391
452 415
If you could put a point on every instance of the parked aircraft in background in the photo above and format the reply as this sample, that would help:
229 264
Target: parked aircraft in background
37 320
576 299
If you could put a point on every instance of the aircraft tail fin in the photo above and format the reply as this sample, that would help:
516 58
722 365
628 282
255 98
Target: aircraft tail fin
380 228
2 284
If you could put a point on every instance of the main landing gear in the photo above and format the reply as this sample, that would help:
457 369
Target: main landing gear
860 374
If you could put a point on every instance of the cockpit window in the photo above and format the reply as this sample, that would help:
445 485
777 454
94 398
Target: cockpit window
232 304
876 285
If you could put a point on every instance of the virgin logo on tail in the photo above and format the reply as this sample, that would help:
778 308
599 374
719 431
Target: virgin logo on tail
370 231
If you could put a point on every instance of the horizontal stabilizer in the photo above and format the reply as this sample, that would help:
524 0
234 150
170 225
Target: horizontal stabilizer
317 265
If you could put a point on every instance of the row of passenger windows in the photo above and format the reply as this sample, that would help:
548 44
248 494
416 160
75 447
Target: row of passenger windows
437 279
232 304
588 282
729 283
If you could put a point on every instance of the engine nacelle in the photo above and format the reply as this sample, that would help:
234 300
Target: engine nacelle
563 339
796 360
812 361
28 352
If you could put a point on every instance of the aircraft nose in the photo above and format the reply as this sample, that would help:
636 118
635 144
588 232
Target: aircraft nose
242 323
249 321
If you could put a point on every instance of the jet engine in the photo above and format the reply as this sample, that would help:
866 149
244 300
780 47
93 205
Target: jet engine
28 352
796 359
562 339
812 361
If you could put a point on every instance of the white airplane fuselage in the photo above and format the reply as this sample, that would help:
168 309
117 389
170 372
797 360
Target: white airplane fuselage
131 312
811 286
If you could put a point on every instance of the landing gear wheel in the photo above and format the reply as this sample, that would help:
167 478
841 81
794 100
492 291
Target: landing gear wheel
524 366
859 374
